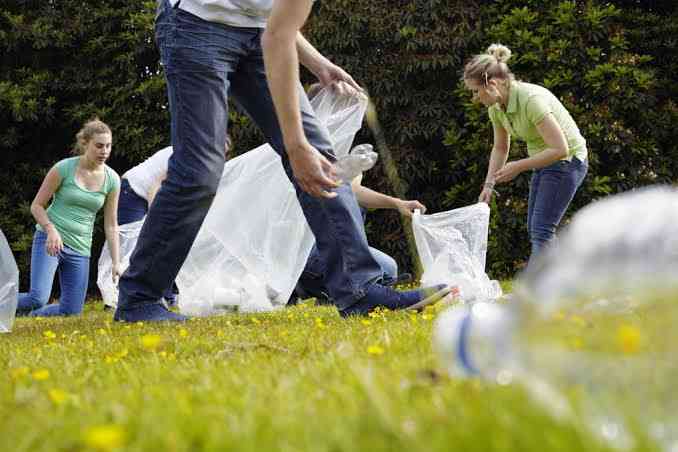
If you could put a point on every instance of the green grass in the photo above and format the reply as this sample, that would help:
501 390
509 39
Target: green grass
300 379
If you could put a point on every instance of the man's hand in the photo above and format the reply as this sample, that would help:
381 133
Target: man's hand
486 195
330 73
407 208
314 173
115 273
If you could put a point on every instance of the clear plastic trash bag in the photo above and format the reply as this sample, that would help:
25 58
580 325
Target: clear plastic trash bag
612 251
452 246
9 286
128 235
255 241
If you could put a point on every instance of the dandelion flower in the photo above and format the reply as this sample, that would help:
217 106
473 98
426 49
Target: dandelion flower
49 334
57 396
375 350
628 338
151 341
105 437
41 375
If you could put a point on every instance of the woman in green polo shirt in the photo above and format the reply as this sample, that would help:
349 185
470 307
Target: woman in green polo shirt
78 187
557 154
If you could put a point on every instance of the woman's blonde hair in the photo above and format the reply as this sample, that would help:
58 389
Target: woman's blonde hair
94 126
490 64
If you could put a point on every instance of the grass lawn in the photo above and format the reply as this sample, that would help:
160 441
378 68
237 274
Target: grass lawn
300 379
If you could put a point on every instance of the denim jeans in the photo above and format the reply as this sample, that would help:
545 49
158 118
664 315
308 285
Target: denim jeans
73 278
551 191
131 208
315 267
204 64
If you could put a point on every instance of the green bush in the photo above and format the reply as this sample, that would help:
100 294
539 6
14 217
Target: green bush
610 62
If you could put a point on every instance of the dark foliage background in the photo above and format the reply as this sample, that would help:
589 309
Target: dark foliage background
612 63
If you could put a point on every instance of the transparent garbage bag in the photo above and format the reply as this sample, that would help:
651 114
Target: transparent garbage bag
612 251
452 246
9 286
254 242
128 235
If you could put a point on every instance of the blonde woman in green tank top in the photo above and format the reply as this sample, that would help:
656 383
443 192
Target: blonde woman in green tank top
78 187
556 150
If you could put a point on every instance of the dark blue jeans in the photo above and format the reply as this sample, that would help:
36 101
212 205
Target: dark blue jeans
73 277
205 63
131 208
551 191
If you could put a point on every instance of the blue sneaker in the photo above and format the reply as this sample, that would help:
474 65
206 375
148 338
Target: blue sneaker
379 296
151 312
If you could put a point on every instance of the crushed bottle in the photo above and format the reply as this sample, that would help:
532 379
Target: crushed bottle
360 159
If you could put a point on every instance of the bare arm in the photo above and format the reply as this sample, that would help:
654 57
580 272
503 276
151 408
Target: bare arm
498 157
155 187
556 149
312 170
50 185
111 232
321 67
371 199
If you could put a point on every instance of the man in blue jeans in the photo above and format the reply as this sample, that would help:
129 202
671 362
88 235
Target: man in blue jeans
212 49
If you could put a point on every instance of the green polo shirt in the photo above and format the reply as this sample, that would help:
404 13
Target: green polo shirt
527 106
74 208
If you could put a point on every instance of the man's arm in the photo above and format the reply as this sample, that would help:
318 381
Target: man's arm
279 42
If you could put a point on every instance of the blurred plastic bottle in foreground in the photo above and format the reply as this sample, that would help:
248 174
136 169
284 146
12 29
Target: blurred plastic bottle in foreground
361 158
592 332
9 286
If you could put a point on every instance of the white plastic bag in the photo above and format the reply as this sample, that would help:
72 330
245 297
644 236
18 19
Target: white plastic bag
254 242
9 286
452 247
128 235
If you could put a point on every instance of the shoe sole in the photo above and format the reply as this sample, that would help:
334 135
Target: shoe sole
431 299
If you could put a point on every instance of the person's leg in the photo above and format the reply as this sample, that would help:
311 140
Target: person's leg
73 279
350 269
197 56
389 266
557 185
43 267
131 207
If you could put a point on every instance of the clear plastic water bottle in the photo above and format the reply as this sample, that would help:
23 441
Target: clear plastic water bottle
361 158
611 372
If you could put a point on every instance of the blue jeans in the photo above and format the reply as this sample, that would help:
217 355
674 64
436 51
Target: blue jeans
551 191
73 278
131 208
315 267
204 63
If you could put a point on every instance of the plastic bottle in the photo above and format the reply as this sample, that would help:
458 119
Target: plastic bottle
361 158
608 371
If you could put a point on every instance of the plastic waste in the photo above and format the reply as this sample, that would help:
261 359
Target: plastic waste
9 286
590 332
254 242
127 238
360 159
452 246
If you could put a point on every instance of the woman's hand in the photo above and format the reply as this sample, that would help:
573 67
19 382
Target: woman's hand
508 172
486 195
54 243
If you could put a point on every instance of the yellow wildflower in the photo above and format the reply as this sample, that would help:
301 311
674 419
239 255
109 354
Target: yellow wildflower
365 322
49 334
628 338
151 341
41 374
375 350
57 396
105 437
183 332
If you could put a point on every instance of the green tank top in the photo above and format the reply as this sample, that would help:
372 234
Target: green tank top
74 208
